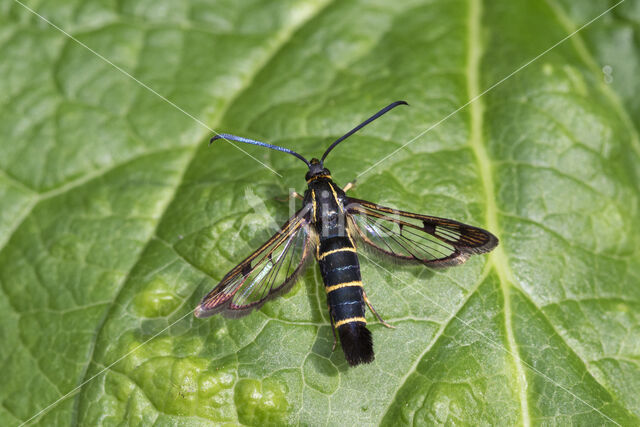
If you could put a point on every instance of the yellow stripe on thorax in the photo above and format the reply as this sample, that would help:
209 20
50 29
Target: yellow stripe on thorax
313 178
335 197
343 285
315 206
350 320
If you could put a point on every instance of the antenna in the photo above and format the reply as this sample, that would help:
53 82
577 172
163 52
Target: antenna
262 144
360 126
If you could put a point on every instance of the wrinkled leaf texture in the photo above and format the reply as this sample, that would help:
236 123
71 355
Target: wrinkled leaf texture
116 217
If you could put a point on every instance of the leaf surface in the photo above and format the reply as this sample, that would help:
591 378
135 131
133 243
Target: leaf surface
116 218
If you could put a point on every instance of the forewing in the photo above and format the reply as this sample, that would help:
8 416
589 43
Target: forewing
269 271
405 236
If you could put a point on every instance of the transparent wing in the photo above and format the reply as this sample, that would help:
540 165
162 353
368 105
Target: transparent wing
405 236
269 271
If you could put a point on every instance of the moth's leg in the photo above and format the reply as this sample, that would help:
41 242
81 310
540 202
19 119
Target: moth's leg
349 186
292 195
333 329
373 310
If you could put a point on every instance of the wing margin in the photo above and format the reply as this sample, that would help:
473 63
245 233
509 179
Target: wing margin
409 237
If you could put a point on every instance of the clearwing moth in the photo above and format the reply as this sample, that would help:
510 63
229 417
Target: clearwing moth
333 227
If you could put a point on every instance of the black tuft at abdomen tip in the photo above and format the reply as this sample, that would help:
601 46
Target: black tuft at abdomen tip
357 343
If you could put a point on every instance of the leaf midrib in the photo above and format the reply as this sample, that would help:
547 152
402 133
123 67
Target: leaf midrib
476 142
498 258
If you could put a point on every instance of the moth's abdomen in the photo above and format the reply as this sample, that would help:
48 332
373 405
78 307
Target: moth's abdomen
341 275
356 342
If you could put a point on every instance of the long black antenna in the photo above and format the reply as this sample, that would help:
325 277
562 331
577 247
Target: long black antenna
360 126
262 144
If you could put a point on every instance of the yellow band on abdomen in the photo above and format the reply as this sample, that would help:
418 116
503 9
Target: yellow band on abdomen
343 285
350 320
345 249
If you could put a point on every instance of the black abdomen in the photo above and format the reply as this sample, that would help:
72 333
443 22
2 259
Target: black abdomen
341 274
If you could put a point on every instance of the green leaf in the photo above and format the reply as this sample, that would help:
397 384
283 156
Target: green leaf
116 217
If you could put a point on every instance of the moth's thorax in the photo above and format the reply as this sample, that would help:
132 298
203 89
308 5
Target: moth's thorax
327 203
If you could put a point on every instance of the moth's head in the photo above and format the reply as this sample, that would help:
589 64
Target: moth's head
317 170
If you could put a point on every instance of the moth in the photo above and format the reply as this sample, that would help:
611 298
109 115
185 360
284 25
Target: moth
332 227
